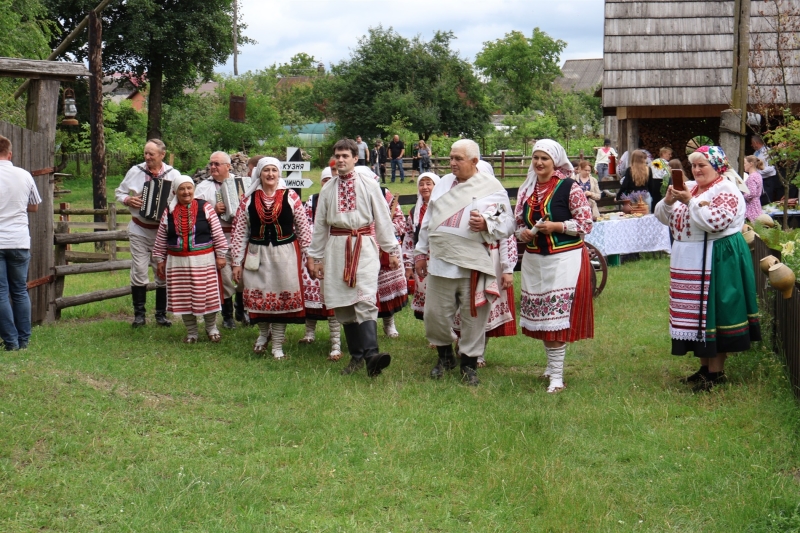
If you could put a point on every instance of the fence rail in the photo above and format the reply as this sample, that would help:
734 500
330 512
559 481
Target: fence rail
785 317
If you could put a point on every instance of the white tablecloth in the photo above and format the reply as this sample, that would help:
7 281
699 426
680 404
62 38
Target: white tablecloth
630 236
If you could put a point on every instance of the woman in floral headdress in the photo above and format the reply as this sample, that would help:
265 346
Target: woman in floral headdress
552 216
712 304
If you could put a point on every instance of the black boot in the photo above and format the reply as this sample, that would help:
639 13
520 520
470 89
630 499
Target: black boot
447 361
697 376
240 313
707 382
376 361
469 370
139 297
227 314
161 307
351 334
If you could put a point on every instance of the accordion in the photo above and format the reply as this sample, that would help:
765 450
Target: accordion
155 195
232 191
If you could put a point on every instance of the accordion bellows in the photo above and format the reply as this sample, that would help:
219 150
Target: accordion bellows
232 191
155 195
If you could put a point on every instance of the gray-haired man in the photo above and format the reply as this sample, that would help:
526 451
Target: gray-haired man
209 190
142 231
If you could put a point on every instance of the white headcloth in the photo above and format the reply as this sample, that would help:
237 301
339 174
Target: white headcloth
177 182
485 167
255 177
560 161
435 179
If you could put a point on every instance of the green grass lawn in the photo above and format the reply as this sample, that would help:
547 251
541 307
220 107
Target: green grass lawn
105 428
109 429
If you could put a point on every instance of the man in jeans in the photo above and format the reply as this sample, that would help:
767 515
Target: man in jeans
363 152
19 197
396 151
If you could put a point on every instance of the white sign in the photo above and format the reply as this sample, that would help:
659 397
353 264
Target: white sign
298 183
296 166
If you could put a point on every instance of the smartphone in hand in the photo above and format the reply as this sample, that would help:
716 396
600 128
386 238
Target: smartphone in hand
677 179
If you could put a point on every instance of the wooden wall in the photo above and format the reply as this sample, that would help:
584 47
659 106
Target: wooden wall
33 151
679 52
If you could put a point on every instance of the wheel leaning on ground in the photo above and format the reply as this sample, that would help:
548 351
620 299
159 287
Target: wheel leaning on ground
599 269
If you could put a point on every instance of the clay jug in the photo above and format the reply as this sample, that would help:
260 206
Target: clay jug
749 238
767 262
765 220
782 278
626 207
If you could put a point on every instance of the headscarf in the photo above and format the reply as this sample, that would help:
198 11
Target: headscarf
326 173
367 172
177 182
485 167
719 162
560 162
435 179
255 178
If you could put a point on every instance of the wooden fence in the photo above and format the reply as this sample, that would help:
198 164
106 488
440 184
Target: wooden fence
34 152
785 317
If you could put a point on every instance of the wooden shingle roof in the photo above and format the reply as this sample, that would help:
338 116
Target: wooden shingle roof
580 75
680 52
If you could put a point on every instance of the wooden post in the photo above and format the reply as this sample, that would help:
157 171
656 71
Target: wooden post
112 226
96 122
741 56
502 165
235 37
41 114
59 259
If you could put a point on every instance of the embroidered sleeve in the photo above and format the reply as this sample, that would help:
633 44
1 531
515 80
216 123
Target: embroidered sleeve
663 212
320 229
581 221
520 224
309 211
301 226
508 254
408 244
398 218
718 214
160 246
217 235
240 234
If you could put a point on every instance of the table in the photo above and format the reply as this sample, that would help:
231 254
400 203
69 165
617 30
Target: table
630 236
793 217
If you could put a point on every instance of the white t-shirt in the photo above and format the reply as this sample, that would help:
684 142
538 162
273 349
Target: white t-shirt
18 192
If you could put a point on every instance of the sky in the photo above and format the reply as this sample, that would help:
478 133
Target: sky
330 30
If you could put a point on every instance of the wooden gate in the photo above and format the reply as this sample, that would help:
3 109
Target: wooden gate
33 152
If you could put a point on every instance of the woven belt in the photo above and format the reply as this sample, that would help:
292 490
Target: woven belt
352 253
144 225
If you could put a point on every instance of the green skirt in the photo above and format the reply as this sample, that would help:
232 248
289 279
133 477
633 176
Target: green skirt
732 306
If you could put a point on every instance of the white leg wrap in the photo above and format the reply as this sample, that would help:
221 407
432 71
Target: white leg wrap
388 327
190 321
211 323
556 358
278 335
310 336
336 339
263 333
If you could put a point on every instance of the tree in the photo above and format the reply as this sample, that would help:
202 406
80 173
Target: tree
170 44
25 32
520 69
425 83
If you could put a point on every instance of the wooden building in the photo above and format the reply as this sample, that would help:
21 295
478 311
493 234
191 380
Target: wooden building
668 67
